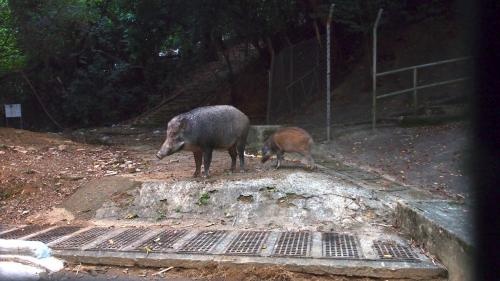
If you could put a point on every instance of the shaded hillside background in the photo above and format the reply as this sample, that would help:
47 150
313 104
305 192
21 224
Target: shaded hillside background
85 63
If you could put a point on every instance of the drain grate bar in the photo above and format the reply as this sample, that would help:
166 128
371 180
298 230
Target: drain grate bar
23 231
391 250
82 239
203 242
120 240
162 242
360 174
5 227
248 243
54 234
293 244
337 245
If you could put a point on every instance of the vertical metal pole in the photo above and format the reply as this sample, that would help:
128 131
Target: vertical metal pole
291 64
415 99
269 93
290 92
328 96
374 71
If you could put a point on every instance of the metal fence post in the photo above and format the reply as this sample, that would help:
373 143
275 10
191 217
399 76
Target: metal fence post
269 93
270 87
328 97
415 98
374 71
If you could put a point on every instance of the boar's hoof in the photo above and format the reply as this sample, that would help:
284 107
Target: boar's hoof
311 168
206 174
196 174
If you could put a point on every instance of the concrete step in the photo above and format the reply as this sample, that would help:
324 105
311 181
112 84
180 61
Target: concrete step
445 229
376 255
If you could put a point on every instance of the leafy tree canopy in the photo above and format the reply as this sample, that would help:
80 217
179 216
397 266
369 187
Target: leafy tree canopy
98 62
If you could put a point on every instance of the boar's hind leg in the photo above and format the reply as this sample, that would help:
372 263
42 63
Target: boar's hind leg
310 161
198 155
207 159
279 158
233 153
241 154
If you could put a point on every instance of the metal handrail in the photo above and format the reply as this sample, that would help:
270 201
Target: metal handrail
300 78
414 69
421 87
421 66
415 87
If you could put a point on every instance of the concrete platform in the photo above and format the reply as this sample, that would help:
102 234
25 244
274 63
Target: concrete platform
445 229
442 227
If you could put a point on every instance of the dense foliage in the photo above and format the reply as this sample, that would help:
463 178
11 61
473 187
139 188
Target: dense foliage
95 62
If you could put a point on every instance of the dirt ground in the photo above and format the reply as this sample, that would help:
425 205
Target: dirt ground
213 273
39 171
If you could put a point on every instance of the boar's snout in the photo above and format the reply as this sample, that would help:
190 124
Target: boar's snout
159 156
265 158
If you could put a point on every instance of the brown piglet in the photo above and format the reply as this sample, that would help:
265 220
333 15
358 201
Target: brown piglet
288 139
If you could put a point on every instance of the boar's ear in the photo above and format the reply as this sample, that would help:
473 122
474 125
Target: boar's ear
183 123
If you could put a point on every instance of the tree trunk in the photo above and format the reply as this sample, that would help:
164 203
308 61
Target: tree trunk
209 47
264 54
35 93
316 30
225 53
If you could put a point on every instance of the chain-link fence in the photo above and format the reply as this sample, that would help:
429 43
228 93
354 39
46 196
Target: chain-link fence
297 77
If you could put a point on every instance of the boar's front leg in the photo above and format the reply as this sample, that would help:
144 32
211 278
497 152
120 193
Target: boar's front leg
198 155
207 159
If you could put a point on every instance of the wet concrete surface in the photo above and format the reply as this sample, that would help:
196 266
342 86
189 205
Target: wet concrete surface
445 229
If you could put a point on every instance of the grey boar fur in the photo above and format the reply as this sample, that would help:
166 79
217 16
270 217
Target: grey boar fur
204 129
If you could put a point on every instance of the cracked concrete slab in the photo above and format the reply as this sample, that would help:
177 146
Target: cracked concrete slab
290 200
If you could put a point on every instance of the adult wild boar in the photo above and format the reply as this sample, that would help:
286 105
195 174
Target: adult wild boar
204 129
289 139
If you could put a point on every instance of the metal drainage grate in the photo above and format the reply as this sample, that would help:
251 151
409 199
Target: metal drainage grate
121 240
5 227
82 239
337 245
390 250
54 234
203 242
293 244
247 243
24 231
162 242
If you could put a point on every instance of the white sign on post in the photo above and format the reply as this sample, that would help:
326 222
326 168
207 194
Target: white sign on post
13 110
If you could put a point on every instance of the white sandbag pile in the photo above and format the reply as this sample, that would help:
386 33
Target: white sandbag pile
26 260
